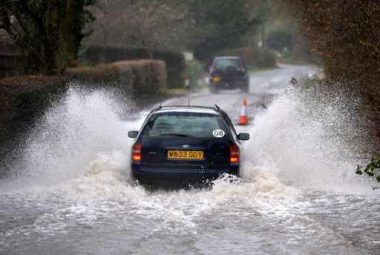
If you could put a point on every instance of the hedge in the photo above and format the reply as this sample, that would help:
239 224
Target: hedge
133 77
345 34
24 99
175 62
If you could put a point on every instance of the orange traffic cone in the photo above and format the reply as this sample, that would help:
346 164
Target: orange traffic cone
243 119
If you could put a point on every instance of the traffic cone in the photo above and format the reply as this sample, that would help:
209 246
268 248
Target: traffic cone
243 119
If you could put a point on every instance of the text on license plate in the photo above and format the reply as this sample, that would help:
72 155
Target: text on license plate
185 155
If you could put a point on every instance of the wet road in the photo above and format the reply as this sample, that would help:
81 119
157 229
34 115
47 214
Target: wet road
298 195
263 87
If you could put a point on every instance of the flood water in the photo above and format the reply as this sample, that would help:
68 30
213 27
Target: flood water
71 192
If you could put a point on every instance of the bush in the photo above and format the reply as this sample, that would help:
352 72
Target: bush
372 169
175 62
22 101
25 96
253 57
345 34
133 77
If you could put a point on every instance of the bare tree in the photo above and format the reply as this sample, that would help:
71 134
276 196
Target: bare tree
145 24
48 33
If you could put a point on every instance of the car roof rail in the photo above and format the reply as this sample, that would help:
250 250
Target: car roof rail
216 107
156 108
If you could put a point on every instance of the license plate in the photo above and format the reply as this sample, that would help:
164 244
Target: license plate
185 155
216 79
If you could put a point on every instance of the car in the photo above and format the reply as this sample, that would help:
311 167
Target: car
228 73
185 145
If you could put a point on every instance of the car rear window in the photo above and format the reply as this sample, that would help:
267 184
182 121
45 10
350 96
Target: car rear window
182 125
225 63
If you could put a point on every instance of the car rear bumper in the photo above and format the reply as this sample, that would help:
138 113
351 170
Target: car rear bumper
179 176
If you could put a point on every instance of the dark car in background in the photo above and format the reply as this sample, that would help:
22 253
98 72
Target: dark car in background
228 73
185 145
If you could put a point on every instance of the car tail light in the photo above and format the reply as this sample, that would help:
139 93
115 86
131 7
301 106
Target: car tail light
136 152
234 154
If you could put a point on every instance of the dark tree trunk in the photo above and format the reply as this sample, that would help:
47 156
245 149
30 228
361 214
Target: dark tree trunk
73 29
51 44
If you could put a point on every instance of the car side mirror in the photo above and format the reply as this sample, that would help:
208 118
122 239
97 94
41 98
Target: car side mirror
133 134
243 136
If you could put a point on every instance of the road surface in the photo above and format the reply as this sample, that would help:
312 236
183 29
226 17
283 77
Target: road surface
263 86
72 194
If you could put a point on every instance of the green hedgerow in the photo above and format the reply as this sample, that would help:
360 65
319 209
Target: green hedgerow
372 169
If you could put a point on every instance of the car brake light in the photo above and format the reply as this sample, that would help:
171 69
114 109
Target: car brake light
234 154
136 152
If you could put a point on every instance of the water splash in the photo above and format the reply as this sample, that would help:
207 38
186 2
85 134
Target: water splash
302 140
305 138
84 128
77 161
